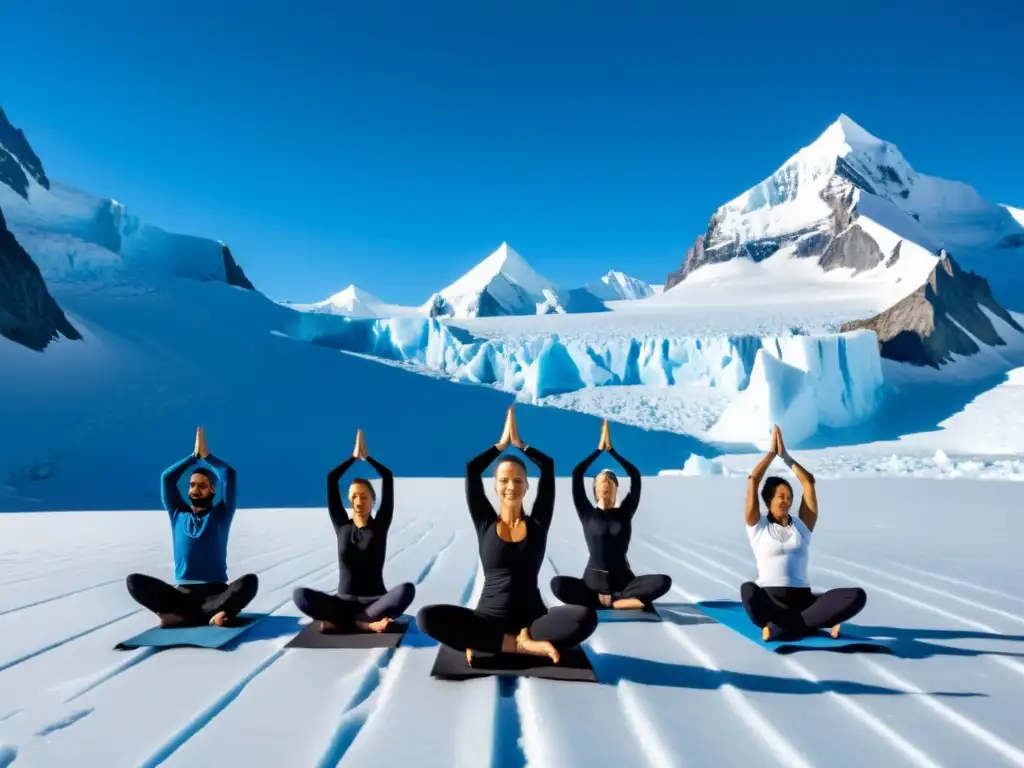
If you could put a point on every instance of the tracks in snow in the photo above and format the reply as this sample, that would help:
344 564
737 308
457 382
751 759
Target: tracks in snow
911 753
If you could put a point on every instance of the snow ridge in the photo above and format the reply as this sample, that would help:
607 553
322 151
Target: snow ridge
618 286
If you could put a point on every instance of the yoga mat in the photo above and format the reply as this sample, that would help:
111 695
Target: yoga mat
574 665
312 637
205 636
730 613
647 613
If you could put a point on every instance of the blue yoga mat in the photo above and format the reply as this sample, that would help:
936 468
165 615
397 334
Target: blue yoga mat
730 613
198 637
631 614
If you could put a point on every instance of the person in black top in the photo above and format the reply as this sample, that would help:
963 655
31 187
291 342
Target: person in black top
362 602
510 616
608 581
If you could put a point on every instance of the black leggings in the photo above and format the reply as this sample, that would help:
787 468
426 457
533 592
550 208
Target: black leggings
461 628
344 610
194 603
796 610
646 589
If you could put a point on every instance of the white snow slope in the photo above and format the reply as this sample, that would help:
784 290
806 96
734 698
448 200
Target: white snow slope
1017 213
74 236
684 692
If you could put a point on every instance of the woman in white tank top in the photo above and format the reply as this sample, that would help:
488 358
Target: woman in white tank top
781 601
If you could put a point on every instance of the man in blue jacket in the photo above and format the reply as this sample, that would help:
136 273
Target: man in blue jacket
200 531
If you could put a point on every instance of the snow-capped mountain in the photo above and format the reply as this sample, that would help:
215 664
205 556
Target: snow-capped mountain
852 201
618 286
355 302
504 284
74 236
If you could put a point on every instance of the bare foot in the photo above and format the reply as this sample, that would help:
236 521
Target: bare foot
527 645
168 620
469 656
373 626
326 626
606 600
219 620
627 604
835 632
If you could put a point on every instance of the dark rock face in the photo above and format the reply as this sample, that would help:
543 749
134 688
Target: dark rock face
11 173
439 307
15 150
894 256
855 249
28 313
925 327
233 273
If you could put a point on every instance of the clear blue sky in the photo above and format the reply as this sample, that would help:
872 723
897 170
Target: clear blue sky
393 145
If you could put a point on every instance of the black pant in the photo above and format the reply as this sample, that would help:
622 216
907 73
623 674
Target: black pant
344 610
461 628
195 603
796 610
575 591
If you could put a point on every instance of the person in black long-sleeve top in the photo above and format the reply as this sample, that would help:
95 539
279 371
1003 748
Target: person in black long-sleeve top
510 616
362 603
608 581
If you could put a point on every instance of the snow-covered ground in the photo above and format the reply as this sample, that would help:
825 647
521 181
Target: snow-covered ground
685 692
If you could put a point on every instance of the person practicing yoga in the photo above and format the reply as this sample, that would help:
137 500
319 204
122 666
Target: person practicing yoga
608 581
361 603
199 530
510 616
781 602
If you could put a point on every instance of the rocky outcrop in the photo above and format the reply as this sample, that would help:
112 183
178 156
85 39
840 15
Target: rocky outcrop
853 249
233 273
17 158
818 241
439 307
29 315
932 324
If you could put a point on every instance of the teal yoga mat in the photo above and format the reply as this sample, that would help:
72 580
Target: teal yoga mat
205 636
730 613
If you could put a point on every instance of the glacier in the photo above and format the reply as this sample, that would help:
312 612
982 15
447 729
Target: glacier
801 382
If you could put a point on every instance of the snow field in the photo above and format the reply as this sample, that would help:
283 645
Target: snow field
686 691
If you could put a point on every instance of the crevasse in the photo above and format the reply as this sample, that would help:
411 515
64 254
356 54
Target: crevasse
799 382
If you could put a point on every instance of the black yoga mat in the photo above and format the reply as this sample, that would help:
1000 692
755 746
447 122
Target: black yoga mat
450 664
312 637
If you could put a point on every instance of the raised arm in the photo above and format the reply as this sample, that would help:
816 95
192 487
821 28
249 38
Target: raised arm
544 504
335 507
480 508
386 510
580 499
631 500
808 512
227 480
753 513
170 494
